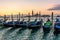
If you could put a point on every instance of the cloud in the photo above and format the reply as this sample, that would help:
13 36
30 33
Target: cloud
56 7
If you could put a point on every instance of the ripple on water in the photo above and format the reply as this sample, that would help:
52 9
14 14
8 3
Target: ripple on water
2 32
23 35
27 34
36 34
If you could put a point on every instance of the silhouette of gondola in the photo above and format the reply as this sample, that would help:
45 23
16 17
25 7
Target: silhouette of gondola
57 27
22 23
47 26
35 24
10 24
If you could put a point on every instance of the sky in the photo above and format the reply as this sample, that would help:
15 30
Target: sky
25 6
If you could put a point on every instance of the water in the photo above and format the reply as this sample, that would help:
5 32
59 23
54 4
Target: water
9 33
26 34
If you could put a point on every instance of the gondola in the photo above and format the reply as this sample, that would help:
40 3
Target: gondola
34 24
21 24
57 26
47 26
16 23
9 24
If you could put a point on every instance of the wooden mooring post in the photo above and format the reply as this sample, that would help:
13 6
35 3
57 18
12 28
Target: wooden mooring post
12 17
52 20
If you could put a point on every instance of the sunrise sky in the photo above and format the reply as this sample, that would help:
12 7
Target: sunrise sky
24 6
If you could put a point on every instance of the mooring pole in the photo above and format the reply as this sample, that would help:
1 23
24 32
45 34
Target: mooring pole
12 17
19 16
52 18
39 16
4 18
23 17
28 17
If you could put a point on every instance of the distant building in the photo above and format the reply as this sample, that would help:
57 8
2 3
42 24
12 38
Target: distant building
45 16
58 16
36 14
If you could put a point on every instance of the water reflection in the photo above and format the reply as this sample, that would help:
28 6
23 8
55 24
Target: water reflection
7 33
56 37
45 34
27 34
56 32
19 33
33 34
3 27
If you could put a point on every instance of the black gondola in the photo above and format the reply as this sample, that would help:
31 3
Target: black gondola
9 24
21 23
34 24
57 26
47 26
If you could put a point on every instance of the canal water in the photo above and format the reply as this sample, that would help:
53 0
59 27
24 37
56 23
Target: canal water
26 34
10 33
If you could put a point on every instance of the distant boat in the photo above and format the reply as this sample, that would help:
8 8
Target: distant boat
47 26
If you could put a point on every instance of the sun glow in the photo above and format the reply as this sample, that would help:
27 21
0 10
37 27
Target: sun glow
25 7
